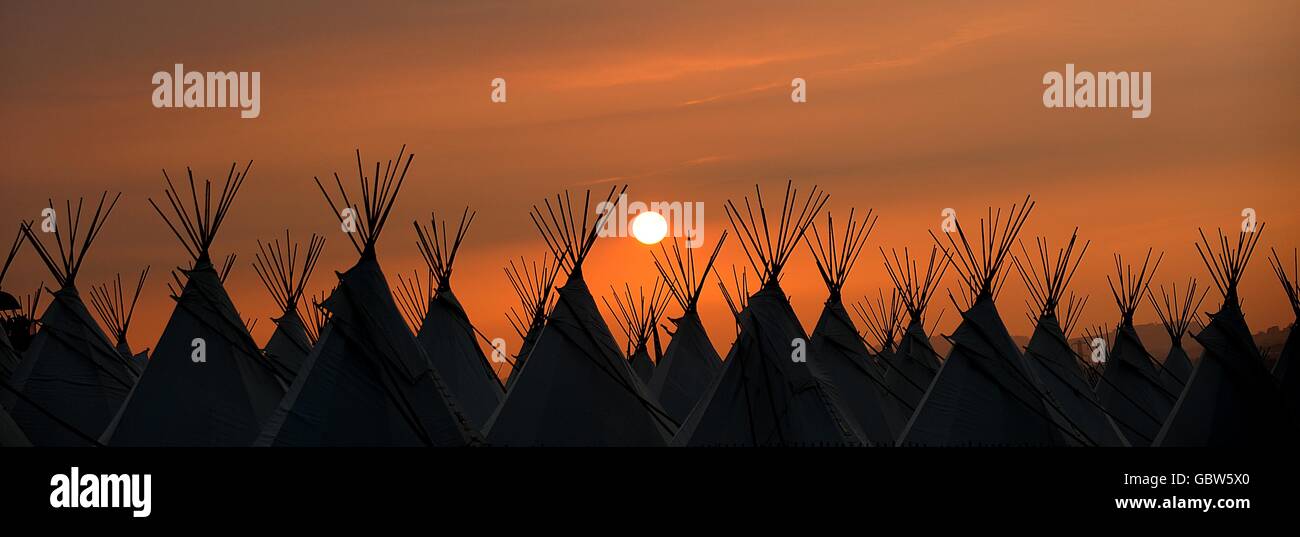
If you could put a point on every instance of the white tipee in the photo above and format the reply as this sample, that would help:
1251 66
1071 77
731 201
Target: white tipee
691 363
1130 388
72 381
576 389
445 330
1049 355
1176 314
367 381
1285 369
769 393
1230 399
638 318
285 280
836 350
113 310
533 284
985 394
207 383
910 370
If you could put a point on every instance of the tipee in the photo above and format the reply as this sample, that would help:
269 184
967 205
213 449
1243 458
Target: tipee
534 284
910 370
1230 398
1176 314
10 308
691 363
769 393
71 371
1130 388
638 318
367 381
985 393
446 332
836 350
575 389
111 307
207 383
882 320
1285 369
1049 355
285 280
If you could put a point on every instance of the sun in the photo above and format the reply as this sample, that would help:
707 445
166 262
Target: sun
649 227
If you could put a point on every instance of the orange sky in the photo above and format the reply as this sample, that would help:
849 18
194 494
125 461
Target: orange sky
910 109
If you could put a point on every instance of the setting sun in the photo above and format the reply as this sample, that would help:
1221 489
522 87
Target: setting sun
649 227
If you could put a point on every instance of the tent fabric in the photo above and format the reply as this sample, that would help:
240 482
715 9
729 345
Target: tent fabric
1288 376
71 371
1176 368
910 371
448 337
525 350
1230 399
763 397
984 394
641 365
220 401
11 435
289 344
9 358
837 353
1050 357
367 382
1131 391
576 389
687 368
136 360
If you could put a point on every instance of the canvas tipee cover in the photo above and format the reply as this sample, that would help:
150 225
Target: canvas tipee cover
1285 369
9 360
691 363
534 285
285 280
912 368
1230 399
10 434
763 397
218 399
985 394
836 351
768 394
576 388
207 384
71 378
642 366
1056 365
1176 314
368 382
447 334
289 344
1049 355
909 370
638 318
110 304
1130 388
